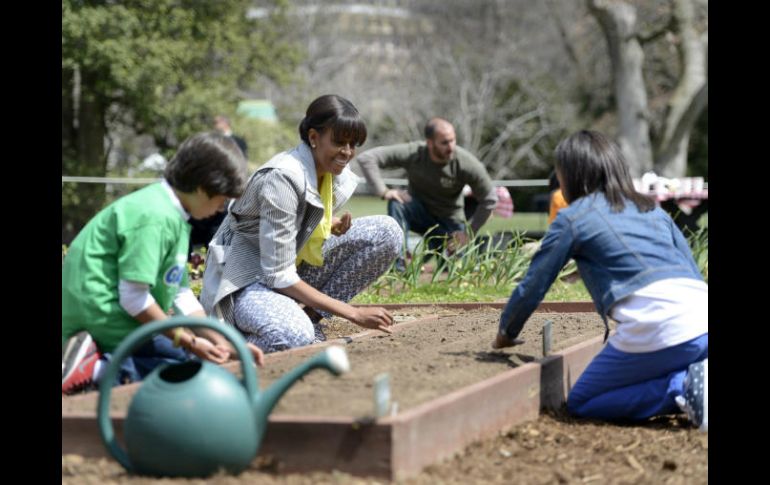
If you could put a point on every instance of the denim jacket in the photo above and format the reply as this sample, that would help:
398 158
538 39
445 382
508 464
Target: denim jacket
617 253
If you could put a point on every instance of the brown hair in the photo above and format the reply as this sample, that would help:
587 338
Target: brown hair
590 162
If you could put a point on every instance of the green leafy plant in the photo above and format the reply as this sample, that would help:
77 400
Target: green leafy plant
483 272
699 244
483 269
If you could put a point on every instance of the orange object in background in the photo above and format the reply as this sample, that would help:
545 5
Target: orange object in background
557 203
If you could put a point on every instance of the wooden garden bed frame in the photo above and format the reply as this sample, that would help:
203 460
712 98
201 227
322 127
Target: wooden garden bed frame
399 446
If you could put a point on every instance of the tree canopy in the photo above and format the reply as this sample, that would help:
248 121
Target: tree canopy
160 67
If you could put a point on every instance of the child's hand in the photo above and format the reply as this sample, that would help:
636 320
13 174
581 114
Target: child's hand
206 350
256 352
226 349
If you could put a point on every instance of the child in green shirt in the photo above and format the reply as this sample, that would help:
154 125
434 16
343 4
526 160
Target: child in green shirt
127 266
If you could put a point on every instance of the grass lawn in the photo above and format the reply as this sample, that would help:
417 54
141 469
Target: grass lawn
362 205
561 290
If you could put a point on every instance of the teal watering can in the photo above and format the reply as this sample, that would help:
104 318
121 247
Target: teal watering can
195 418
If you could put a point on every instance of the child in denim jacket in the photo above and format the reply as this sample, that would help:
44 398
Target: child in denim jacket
640 272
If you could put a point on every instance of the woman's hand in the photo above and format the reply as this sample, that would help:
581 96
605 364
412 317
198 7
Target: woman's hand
367 317
503 341
256 352
341 225
373 317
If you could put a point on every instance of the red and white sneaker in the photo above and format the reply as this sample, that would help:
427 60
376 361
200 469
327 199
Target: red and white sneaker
79 363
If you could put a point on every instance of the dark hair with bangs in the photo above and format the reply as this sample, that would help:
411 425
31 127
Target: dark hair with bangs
211 161
337 113
589 162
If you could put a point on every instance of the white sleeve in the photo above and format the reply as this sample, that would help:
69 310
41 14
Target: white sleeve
186 302
134 297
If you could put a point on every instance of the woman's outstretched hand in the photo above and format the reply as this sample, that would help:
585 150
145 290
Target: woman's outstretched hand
374 317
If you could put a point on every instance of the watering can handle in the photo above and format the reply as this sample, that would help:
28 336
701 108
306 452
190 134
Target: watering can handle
139 336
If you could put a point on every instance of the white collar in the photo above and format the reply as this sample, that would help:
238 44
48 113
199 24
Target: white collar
174 199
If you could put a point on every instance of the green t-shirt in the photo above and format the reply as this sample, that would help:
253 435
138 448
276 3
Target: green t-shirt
140 237
439 186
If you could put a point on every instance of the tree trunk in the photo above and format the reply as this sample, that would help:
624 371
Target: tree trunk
690 96
85 154
67 117
618 22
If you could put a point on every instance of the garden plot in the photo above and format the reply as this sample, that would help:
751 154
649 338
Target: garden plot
424 361
450 386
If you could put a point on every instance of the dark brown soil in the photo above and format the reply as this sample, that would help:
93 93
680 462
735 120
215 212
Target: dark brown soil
553 449
424 361
427 360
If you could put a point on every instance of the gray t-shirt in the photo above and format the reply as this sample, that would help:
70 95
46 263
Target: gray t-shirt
438 186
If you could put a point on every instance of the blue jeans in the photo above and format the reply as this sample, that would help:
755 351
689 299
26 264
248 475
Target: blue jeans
415 217
621 385
157 351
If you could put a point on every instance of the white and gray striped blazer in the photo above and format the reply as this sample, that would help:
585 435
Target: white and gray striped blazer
266 227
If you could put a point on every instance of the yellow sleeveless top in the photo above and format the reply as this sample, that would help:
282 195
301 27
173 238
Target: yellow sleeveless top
311 251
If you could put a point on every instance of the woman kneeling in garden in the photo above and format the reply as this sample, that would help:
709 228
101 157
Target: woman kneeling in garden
280 245
640 272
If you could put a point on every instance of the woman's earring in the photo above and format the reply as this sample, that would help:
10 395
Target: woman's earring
313 146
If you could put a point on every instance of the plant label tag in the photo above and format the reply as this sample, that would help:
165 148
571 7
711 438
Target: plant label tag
547 338
381 394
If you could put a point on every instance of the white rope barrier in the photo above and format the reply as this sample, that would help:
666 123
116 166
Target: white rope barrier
109 180
389 181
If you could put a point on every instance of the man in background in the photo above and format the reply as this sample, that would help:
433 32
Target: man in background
222 125
437 170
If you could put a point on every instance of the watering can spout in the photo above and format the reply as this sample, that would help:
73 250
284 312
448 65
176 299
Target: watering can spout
334 359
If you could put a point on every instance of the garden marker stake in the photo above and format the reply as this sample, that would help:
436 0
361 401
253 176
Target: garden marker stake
381 394
547 338
195 418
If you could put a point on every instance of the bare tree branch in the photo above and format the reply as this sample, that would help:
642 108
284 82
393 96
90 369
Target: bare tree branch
688 99
681 134
618 22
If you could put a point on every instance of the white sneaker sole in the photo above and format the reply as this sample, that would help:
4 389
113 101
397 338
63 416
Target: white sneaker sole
77 347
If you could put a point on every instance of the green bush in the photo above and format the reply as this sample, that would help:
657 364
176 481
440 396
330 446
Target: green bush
699 243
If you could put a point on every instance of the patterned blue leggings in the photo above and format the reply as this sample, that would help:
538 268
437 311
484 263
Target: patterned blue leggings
352 262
